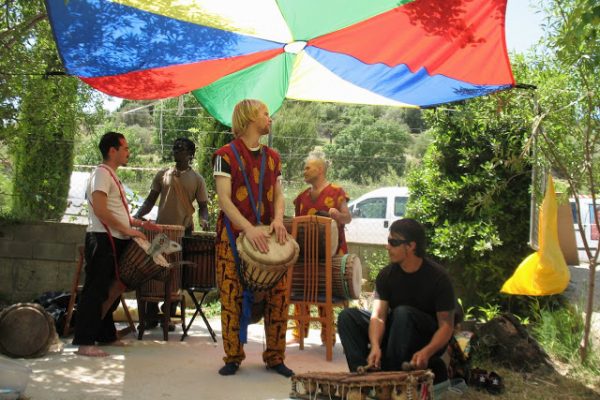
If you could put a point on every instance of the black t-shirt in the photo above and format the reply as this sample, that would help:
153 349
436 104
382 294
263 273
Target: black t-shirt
428 289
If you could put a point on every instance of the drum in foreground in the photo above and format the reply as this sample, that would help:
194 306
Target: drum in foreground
262 271
26 330
155 287
351 385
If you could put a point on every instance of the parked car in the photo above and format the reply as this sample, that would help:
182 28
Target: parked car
77 207
373 212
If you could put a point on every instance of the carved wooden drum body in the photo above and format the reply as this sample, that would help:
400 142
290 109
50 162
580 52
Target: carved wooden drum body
262 271
155 287
137 267
199 249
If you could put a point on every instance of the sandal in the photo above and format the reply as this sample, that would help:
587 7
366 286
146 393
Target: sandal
494 384
478 378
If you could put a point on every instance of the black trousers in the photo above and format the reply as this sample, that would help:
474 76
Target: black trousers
99 275
407 330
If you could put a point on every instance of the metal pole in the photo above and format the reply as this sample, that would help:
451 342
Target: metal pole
160 131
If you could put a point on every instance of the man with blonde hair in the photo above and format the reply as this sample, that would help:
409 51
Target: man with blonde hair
325 199
241 169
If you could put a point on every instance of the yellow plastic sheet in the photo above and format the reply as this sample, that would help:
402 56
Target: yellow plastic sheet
544 272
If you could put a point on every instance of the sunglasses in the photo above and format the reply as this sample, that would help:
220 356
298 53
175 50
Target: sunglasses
397 242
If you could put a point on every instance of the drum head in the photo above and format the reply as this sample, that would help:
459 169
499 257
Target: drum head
26 330
278 254
353 275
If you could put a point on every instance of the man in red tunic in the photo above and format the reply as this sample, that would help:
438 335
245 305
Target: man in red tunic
326 199
241 169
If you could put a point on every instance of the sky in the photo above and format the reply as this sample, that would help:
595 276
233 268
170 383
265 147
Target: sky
523 25
523 29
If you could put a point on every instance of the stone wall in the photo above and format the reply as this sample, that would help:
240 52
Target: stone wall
37 258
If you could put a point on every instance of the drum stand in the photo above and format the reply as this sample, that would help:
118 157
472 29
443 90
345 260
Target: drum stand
167 297
192 292
76 290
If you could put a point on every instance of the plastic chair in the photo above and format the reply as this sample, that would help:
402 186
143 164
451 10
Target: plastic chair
76 289
310 280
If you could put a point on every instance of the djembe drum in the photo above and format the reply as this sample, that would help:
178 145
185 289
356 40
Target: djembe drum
199 273
262 271
346 277
301 237
199 250
155 288
137 267
26 330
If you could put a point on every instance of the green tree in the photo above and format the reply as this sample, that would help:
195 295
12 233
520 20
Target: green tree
41 110
135 113
211 135
176 117
43 149
568 101
369 146
294 136
330 120
472 192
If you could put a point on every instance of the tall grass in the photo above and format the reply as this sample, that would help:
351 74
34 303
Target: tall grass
559 331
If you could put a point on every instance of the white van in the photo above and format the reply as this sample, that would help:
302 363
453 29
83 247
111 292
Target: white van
373 212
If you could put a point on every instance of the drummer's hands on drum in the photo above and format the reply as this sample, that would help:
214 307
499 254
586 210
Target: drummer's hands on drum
335 214
374 358
279 229
135 233
151 226
258 238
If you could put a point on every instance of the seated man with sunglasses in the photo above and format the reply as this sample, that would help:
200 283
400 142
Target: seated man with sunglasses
413 311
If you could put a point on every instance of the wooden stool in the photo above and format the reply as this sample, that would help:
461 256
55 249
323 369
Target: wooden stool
76 290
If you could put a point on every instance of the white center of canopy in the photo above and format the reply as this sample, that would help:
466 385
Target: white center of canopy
295 47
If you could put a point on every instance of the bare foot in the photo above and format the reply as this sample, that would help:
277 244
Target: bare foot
116 343
91 351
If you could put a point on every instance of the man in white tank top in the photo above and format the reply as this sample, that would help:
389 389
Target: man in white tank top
109 231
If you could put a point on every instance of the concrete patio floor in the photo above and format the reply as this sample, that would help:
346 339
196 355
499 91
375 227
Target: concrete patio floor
154 369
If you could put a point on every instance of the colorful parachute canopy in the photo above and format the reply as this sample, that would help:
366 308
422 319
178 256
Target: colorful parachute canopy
392 52
544 272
